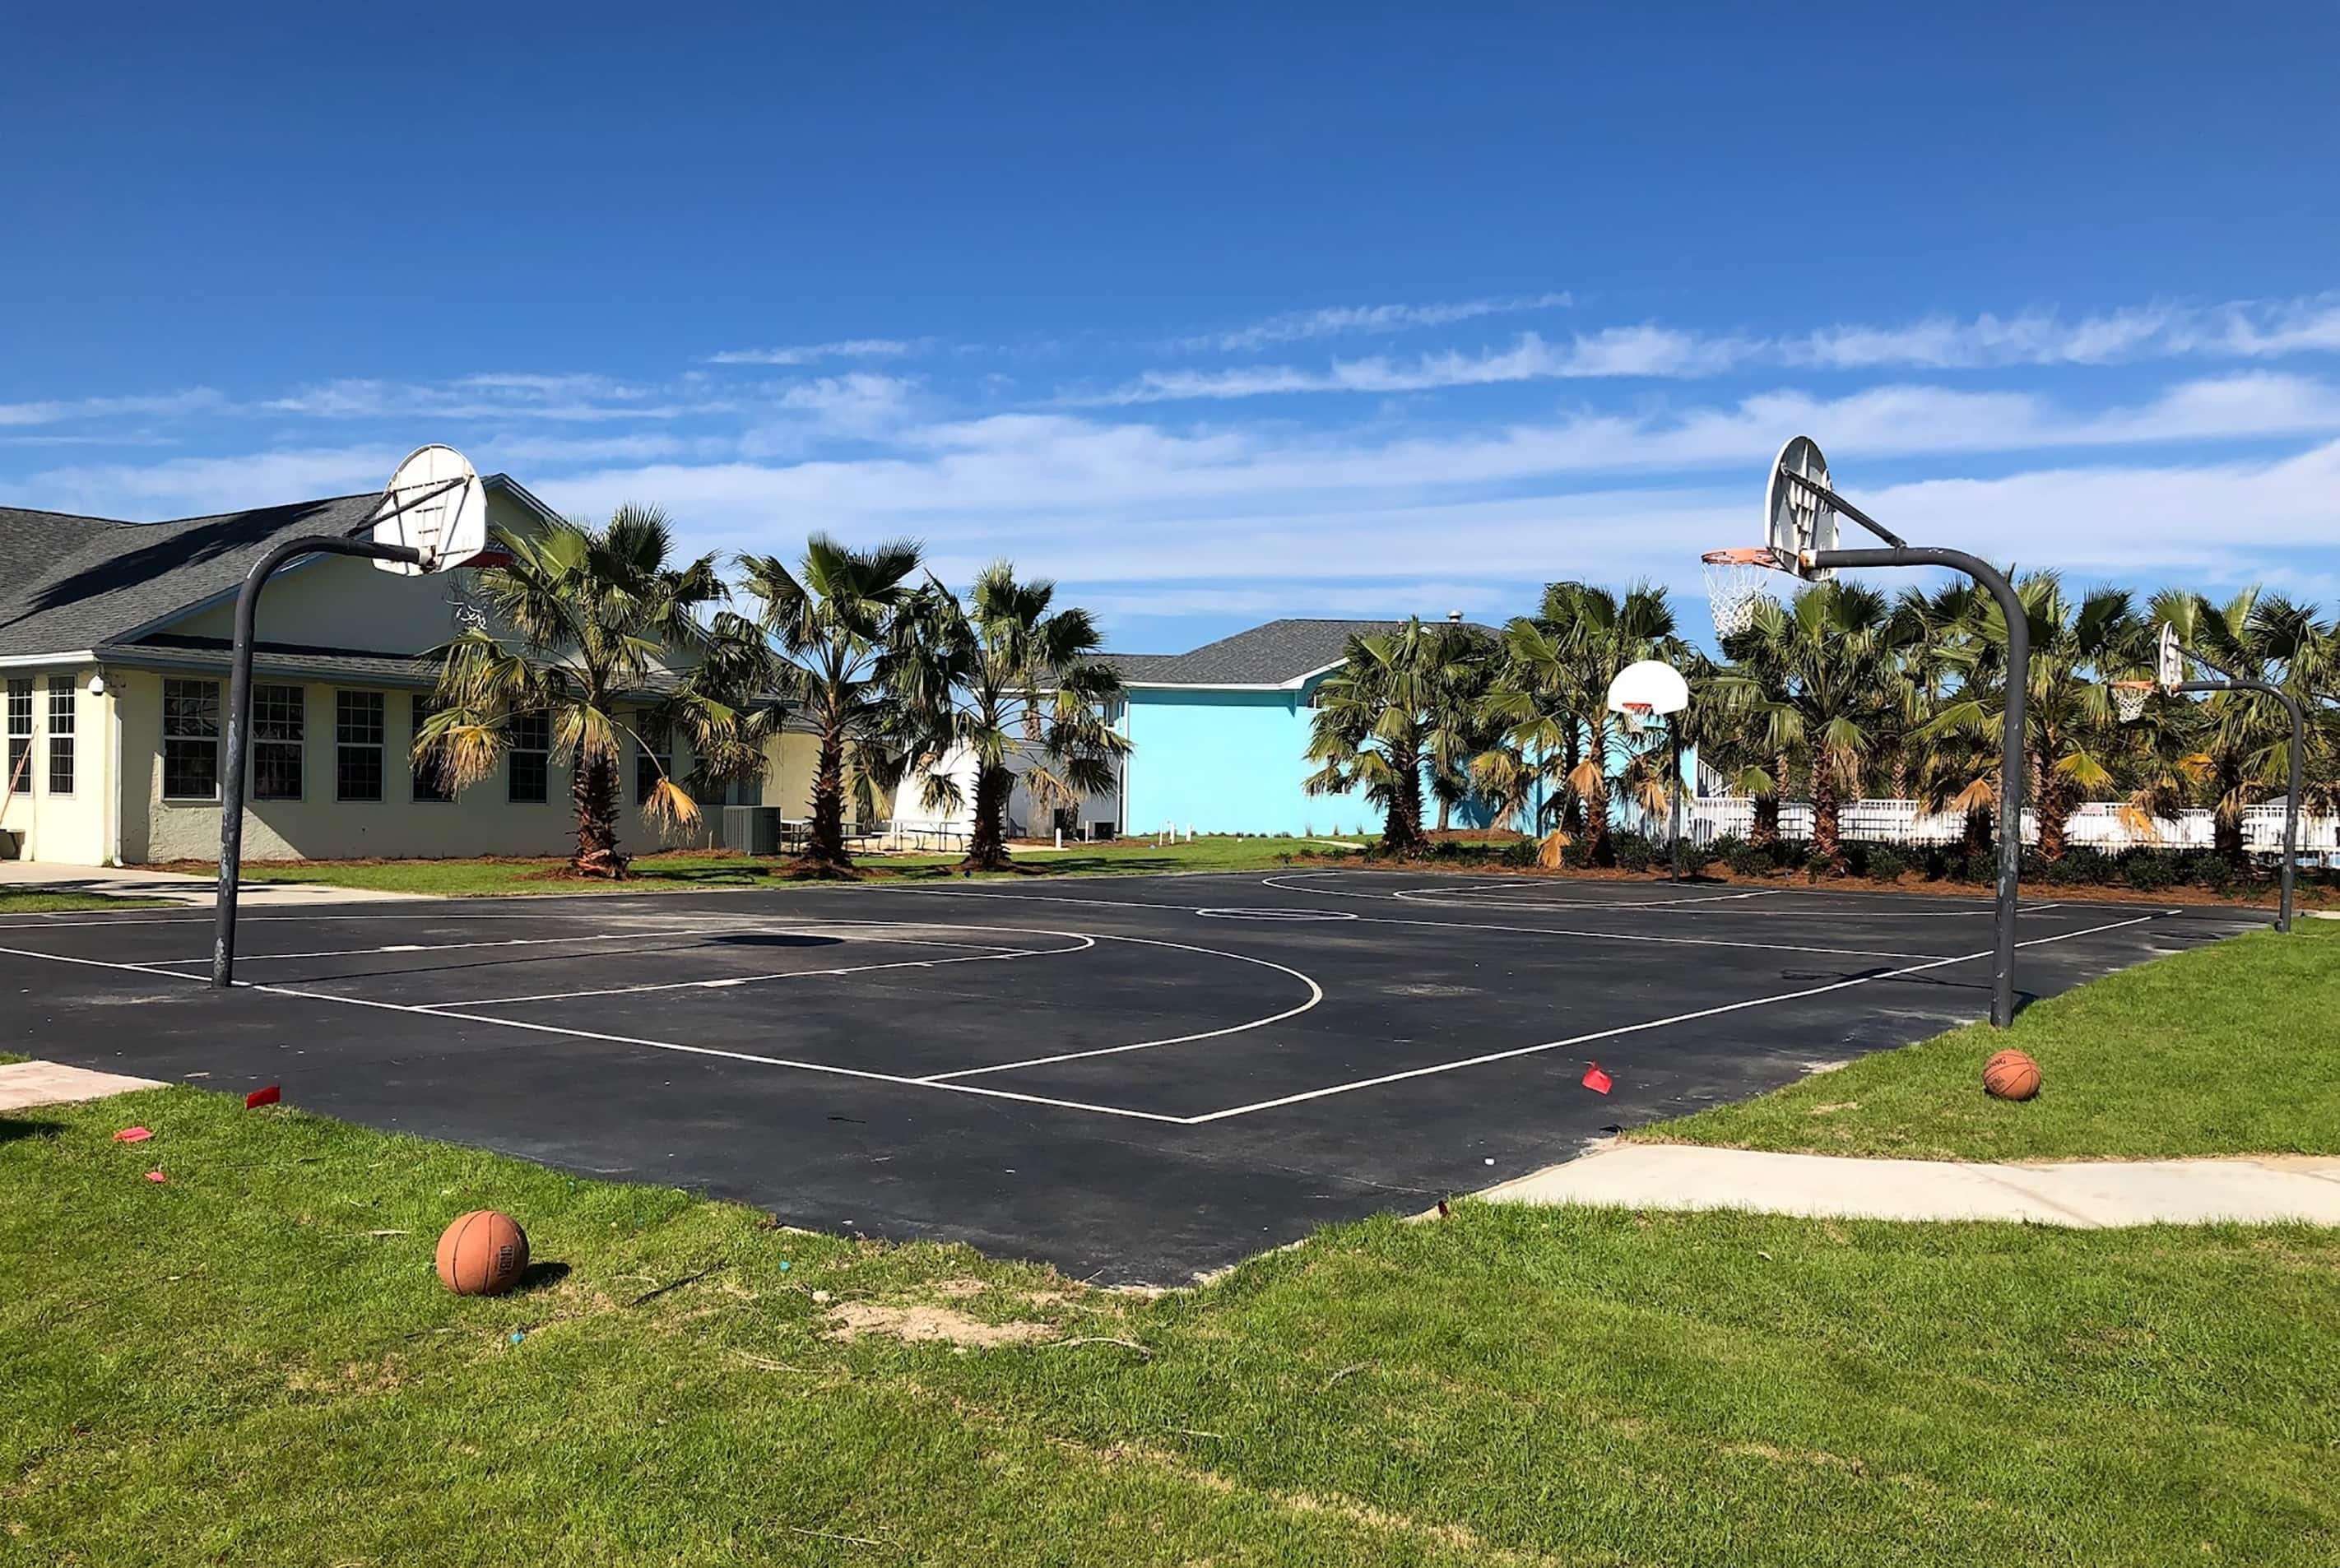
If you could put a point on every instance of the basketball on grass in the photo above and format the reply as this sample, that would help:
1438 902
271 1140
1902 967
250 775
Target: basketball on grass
483 1252
2010 1076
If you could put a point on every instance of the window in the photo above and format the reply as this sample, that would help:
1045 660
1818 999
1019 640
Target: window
61 735
430 774
279 718
357 745
654 761
528 768
190 739
20 737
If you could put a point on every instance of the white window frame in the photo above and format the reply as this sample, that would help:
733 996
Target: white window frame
298 744
344 747
64 732
185 739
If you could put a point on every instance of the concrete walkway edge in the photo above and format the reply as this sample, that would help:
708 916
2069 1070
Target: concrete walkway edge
2086 1194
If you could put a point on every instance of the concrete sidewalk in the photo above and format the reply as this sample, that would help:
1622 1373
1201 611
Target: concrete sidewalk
179 888
26 1084
2087 1193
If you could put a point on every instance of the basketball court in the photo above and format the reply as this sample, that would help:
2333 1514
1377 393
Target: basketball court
1136 1079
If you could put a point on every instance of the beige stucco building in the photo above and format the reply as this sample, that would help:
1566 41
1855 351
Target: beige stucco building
113 659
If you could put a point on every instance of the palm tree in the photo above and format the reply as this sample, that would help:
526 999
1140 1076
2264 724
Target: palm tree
2074 743
2245 736
1836 650
1456 726
1384 712
1002 679
830 620
1550 694
598 618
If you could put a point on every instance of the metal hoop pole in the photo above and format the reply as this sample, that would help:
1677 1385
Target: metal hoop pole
239 710
2298 758
2012 745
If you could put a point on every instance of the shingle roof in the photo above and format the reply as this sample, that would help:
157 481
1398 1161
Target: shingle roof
1280 653
67 584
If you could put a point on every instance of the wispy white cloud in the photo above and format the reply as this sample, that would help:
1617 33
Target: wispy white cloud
1638 351
194 486
1299 326
580 399
2247 329
813 354
54 411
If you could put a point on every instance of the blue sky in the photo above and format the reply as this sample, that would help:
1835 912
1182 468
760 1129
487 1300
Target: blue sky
1213 315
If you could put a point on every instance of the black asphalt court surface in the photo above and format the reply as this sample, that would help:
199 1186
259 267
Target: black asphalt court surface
1134 1079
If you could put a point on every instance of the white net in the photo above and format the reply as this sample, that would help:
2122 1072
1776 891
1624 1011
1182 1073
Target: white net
1733 591
2129 702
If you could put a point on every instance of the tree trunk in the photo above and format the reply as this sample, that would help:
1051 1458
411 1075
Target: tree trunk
1766 831
2055 813
987 851
1603 849
1827 842
1446 810
593 790
1401 828
1981 822
1572 809
827 845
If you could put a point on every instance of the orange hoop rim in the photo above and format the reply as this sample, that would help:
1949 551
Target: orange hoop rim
1745 555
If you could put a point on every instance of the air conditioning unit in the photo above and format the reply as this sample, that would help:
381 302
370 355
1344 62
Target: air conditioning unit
1101 830
751 830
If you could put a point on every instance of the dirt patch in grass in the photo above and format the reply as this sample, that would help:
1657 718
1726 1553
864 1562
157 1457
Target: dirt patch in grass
918 1325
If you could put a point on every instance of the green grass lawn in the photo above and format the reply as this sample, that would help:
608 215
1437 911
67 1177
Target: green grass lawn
2228 1050
252 1363
29 901
687 869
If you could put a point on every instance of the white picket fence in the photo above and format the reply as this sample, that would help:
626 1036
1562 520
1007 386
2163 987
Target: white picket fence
2099 824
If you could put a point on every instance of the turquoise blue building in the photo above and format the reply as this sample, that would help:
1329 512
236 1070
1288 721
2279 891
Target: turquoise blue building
1219 736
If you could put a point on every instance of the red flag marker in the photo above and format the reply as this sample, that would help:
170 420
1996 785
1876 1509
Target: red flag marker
155 1175
132 1136
267 1096
1599 1082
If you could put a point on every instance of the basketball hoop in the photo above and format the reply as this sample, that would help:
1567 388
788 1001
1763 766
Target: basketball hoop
1737 581
2130 698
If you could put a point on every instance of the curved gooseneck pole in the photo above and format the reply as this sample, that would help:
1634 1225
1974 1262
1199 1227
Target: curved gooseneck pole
239 712
1899 552
2299 761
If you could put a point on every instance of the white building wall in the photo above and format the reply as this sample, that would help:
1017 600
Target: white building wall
46 823
481 821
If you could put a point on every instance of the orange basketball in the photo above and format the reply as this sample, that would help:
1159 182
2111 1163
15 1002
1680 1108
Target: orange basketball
2010 1076
483 1252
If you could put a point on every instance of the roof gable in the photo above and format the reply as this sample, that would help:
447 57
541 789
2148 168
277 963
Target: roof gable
68 583
1279 654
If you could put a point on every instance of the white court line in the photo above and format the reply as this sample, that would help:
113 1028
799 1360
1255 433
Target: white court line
1445 924
792 928
1083 1106
1315 995
623 1040
1485 1057
98 963
730 1055
1433 895
988 954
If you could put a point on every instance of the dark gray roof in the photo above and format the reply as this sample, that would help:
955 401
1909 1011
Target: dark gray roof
67 584
1276 654
277 659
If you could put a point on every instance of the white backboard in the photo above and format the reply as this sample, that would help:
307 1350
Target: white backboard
1794 520
433 503
1653 684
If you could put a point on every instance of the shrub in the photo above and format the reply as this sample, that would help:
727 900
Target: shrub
1634 851
1884 862
1521 852
1751 860
1724 846
2214 872
2149 870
